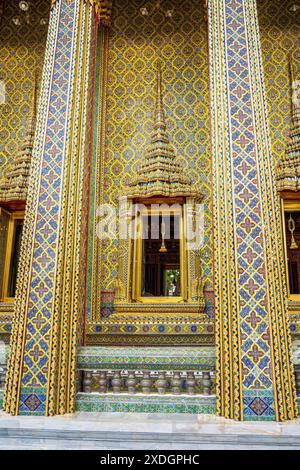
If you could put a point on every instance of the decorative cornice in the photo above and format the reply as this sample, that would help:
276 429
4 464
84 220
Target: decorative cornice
14 183
103 9
288 171
160 174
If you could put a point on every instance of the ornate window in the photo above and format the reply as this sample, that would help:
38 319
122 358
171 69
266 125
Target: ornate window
11 227
13 195
159 272
288 186
156 264
291 223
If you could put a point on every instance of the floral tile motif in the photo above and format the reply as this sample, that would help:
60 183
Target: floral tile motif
177 358
145 404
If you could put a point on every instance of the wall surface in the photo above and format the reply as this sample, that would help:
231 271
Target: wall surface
136 44
21 57
280 37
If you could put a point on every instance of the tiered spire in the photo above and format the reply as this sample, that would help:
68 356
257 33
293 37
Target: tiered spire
14 182
160 174
288 172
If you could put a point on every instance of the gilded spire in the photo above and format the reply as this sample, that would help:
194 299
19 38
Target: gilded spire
159 127
14 183
29 138
288 171
160 174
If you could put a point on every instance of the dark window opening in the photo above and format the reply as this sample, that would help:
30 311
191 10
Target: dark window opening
161 256
15 258
292 230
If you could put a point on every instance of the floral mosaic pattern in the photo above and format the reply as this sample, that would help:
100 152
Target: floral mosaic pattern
254 372
136 42
21 57
147 404
280 37
178 358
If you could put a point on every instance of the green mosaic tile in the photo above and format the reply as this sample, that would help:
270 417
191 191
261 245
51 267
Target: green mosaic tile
118 358
94 402
4 352
258 418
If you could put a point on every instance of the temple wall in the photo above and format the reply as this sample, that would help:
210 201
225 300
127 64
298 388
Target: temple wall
280 36
21 56
136 43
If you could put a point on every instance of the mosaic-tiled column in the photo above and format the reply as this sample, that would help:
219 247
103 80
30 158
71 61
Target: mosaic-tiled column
51 283
255 378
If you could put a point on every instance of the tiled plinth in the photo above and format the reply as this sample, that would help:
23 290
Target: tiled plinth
151 358
163 404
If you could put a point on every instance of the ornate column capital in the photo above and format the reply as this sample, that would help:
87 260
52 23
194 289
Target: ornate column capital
103 9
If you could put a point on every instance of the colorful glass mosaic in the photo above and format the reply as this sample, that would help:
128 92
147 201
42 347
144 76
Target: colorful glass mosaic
280 38
147 404
46 326
254 371
136 42
254 365
120 358
21 58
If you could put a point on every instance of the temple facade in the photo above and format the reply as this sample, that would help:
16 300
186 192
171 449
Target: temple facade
150 207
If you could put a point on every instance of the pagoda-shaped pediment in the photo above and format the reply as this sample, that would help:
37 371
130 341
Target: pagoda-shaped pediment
160 174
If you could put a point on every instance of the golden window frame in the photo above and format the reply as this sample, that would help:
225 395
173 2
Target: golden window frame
9 252
137 255
288 205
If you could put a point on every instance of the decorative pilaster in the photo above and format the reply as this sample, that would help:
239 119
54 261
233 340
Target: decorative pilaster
255 379
51 278
94 295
